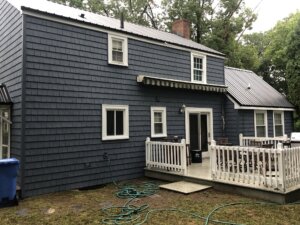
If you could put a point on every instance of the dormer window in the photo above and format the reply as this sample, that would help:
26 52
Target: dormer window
198 68
117 50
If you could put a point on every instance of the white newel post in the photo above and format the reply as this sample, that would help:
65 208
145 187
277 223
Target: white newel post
281 164
213 158
183 156
241 140
147 145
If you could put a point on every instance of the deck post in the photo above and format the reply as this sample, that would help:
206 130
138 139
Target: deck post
281 164
213 160
241 139
148 153
183 157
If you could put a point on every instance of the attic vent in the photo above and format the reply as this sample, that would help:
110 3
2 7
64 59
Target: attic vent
82 15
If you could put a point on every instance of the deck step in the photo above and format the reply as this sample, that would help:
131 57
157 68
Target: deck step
184 187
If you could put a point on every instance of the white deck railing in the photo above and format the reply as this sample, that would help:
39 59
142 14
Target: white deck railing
250 141
272 169
167 156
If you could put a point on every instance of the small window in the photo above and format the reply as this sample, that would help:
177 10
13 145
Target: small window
117 50
158 122
198 68
115 122
261 127
278 124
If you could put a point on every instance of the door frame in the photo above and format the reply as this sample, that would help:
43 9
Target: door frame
206 111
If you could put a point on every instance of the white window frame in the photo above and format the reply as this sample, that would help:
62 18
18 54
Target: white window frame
265 118
124 48
204 77
162 110
105 108
282 121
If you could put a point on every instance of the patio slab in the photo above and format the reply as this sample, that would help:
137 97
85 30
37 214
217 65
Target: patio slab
184 187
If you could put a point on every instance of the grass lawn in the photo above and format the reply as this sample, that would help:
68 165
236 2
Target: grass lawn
84 207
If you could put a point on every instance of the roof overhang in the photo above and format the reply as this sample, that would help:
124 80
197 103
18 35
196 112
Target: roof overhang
4 95
179 84
238 106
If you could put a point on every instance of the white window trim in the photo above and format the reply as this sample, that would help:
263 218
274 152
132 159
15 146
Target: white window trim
164 121
106 107
204 77
124 47
266 121
282 120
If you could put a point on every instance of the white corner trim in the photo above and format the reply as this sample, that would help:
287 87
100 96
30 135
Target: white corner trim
162 110
124 48
204 75
97 27
266 121
125 108
238 106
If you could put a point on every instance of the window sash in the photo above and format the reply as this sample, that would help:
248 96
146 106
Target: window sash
198 68
261 129
278 124
117 50
115 122
158 122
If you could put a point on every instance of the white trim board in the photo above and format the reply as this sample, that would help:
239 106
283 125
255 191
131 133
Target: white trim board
238 106
97 27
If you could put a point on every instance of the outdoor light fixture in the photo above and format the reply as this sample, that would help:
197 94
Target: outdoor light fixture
182 109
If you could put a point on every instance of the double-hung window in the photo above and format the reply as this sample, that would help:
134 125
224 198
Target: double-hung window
261 125
117 50
158 122
278 118
115 122
198 68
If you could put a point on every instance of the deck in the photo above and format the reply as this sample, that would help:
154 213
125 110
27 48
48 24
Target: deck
266 173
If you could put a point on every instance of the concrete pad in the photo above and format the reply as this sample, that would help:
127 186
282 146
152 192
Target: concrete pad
184 187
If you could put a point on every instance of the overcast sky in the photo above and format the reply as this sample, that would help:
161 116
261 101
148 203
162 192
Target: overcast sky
271 11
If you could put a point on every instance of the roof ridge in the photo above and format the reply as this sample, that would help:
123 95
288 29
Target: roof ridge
239 69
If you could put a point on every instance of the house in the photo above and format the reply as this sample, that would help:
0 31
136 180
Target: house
249 99
85 88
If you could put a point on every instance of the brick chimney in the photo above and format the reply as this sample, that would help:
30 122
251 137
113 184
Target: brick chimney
182 28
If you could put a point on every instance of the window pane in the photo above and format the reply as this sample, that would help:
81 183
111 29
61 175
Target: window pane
117 56
197 63
158 128
117 45
260 119
277 118
261 131
198 75
278 130
119 123
157 117
110 124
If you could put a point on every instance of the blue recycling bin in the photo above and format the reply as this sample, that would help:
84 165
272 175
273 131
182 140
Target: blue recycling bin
8 176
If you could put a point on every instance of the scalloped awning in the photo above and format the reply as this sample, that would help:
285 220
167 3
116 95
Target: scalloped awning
179 84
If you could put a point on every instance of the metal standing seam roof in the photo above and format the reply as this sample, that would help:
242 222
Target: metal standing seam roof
260 93
107 22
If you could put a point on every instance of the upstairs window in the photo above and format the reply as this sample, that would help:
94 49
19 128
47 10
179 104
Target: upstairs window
278 120
158 122
261 126
115 122
198 68
117 50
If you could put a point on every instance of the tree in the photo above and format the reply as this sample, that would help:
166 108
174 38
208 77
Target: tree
217 26
293 66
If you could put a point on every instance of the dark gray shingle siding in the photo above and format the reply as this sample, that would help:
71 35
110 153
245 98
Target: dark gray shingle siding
11 67
67 81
